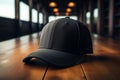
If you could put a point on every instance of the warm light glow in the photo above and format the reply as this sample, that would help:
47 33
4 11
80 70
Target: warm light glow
68 10
71 4
67 14
57 13
52 4
55 10
4 61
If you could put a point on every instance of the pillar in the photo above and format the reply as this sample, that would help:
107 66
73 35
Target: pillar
30 16
38 7
17 15
45 16
17 18
111 17
91 15
81 13
84 13
100 17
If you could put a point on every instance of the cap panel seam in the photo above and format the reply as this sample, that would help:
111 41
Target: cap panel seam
46 33
52 33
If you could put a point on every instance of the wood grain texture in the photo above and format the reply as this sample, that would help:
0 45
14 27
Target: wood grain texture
71 73
11 56
104 64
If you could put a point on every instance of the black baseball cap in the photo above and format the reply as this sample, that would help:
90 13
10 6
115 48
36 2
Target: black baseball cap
62 43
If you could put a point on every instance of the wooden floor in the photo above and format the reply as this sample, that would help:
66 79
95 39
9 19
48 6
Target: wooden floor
104 64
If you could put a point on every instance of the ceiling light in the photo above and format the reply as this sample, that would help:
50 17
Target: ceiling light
67 14
55 10
71 4
57 13
68 10
52 4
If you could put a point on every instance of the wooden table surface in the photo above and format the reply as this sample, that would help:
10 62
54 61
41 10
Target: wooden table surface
104 64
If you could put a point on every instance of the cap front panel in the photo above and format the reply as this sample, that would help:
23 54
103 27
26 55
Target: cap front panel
65 36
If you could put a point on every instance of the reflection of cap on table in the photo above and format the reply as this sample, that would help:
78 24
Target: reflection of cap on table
62 43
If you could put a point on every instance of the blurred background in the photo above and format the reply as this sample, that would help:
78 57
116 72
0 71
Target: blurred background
21 22
22 17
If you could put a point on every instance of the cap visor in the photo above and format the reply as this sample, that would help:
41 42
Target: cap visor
57 58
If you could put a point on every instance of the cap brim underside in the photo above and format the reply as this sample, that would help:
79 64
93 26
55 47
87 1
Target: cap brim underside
57 58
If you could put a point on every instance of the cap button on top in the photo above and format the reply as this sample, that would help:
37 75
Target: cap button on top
67 17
